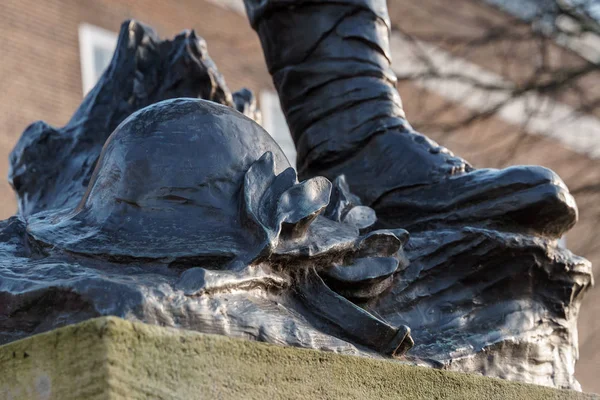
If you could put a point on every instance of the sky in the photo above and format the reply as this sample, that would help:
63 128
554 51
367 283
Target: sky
529 8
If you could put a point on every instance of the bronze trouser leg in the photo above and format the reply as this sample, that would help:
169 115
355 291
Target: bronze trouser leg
331 65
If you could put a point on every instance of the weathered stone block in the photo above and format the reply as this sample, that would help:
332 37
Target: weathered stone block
110 358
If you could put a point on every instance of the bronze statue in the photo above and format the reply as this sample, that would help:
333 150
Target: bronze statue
155 205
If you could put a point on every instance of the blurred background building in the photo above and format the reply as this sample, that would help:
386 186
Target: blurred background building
499 82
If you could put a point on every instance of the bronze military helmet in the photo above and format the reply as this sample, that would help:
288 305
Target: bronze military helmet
167 184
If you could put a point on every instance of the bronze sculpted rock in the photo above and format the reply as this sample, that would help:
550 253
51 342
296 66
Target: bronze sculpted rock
160 202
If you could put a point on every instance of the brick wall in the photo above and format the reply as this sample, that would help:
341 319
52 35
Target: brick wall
40 78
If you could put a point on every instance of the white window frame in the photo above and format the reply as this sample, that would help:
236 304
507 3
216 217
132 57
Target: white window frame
273 120
91 36
562 242
234 5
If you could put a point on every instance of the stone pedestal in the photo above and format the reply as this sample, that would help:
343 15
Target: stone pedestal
110 358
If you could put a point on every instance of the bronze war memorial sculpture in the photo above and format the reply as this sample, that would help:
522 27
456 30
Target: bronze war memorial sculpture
163 200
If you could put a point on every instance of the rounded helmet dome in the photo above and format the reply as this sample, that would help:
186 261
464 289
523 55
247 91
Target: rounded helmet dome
166 185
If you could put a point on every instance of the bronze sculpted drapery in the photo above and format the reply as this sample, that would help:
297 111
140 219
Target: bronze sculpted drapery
189 215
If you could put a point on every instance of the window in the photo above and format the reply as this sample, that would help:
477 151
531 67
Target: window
562 242
274 123
235 5
96 47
